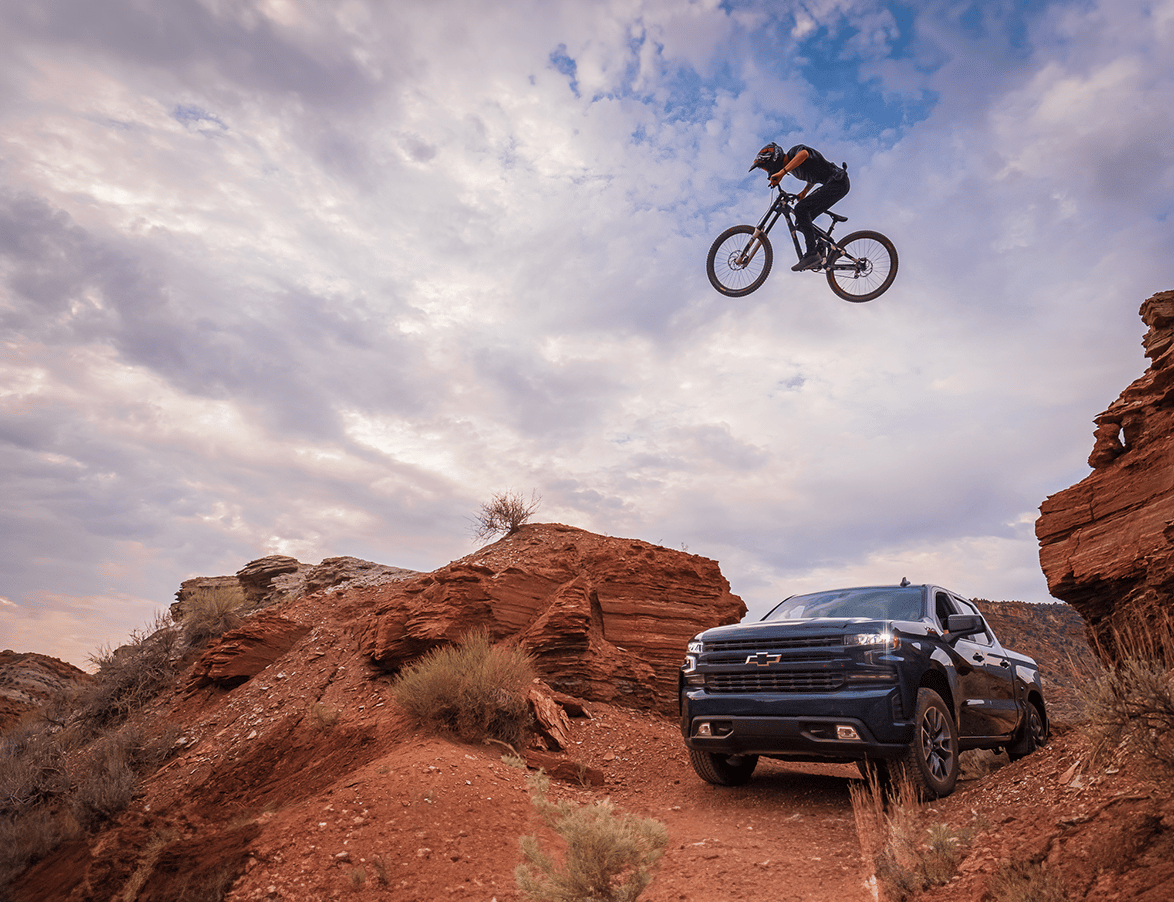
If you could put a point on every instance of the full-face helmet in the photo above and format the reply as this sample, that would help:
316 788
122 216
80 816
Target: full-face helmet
770 158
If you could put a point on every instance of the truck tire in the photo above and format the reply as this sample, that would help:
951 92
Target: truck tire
723 770
932 761
1035 734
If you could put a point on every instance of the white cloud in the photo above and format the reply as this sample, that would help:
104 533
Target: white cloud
321 279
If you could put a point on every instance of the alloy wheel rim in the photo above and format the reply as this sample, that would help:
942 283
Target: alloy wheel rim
935 743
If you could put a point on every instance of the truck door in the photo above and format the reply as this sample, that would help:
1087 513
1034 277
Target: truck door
996 708
1002 712
968 658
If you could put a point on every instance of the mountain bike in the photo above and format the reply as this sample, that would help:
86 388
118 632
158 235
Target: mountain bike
859 267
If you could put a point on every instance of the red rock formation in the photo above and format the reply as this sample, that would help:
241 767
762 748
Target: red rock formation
261 579
29 682
1107 543
607 619
242 653
268 580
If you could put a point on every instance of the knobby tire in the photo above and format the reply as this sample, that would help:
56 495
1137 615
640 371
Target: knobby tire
874 275
725 273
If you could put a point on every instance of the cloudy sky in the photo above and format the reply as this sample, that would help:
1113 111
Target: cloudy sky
317 278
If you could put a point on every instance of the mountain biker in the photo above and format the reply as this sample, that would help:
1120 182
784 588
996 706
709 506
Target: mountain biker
808 164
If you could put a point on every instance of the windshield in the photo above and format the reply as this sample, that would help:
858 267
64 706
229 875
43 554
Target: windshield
870 604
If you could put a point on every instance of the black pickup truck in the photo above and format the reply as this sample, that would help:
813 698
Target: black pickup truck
885 676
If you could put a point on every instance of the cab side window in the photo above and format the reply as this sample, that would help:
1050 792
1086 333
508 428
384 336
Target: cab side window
965 607
943 609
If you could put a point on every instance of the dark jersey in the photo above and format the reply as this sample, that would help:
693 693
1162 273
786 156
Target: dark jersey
815 168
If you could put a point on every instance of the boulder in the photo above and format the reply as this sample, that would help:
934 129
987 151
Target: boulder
269 579
1107 543
605 618
351 572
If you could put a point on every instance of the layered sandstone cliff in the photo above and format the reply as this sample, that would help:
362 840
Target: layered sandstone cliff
605 618
1107 543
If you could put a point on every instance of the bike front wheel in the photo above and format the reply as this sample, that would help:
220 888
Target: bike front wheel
739 261
865 270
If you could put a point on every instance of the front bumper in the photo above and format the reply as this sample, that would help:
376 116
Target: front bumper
849 725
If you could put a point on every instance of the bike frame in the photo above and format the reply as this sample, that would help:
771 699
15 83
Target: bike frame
782 208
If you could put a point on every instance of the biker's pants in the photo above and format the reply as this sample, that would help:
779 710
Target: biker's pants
819 201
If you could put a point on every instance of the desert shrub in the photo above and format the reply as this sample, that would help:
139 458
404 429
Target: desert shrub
905 857
129 677
609 856
1129 705
32 770
25 837
208 613
106 786
1025 881
80 766
505 513
107 774
473 690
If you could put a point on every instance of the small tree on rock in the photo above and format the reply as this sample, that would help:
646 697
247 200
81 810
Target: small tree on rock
505 513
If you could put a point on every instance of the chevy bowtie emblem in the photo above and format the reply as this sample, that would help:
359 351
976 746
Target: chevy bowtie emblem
762 659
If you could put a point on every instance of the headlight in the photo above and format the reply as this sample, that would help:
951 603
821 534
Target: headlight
880 640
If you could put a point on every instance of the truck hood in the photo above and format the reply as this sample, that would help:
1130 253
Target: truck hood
817 626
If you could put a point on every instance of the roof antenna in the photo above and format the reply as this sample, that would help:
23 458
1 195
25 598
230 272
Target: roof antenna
904 581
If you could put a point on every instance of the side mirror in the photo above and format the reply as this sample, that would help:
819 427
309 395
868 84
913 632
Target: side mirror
959 625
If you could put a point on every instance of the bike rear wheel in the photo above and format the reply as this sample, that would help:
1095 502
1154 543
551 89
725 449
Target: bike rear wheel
865 270
738 262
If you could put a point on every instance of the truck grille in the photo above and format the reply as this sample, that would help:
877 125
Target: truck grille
772 644
777 681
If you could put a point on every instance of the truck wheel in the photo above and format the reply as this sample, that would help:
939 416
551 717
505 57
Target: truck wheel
1035 734
723 770
932 761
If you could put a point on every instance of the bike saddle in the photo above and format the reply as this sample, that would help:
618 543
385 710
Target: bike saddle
836 217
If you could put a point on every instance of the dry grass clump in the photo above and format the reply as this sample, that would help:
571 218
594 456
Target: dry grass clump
906 858
473 690
32 770
1025 881
1130 706
609 856
505 513
209 613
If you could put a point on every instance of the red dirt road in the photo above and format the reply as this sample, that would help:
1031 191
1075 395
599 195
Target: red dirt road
432 819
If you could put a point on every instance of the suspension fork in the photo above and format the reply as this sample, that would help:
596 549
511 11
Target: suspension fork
762 230
752 247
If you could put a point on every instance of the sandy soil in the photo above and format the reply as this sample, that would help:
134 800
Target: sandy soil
432 819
